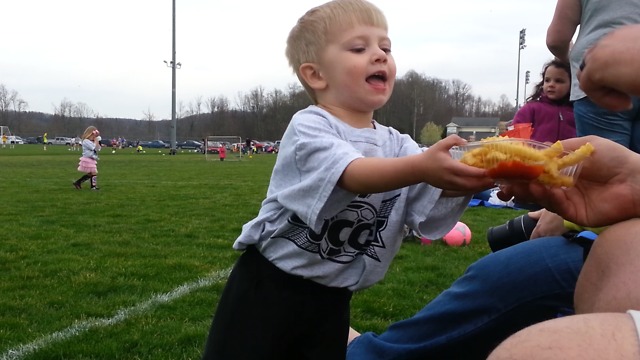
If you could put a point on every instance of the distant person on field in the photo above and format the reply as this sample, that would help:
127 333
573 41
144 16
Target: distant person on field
89 160
248 145
74 143
548 109
327 226
44 140
4 141
222 152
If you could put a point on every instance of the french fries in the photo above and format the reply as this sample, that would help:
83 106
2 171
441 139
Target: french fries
553 158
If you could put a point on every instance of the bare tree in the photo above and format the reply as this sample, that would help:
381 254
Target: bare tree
65 109
505 108
148 115
460 92
195 108
5 98
181 110
82 111
416 100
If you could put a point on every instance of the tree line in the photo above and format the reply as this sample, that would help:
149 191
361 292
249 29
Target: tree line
418 103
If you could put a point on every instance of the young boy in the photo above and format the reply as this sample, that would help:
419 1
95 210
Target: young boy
341 192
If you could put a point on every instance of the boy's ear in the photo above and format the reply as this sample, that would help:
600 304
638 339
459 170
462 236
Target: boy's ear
310 73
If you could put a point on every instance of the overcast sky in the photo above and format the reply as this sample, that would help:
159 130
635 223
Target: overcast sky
109 54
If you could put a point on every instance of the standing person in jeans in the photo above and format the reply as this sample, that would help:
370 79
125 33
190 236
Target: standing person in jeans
596 18
607 296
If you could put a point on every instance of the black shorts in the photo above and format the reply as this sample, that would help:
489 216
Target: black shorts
265 313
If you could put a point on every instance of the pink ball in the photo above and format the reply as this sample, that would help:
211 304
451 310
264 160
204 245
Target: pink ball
460 235
425 241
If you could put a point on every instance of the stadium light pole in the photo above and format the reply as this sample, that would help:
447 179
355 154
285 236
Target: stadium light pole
173 65
521 46
526 82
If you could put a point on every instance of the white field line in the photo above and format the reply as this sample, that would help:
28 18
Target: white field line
83 326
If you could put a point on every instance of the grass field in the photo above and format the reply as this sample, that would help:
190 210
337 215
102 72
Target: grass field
134 271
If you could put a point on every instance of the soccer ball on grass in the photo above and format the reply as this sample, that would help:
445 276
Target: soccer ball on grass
460 235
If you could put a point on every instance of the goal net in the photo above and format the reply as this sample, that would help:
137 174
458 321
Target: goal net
4 130
232 148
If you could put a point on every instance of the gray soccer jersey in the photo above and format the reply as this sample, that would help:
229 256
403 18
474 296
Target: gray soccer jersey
310 227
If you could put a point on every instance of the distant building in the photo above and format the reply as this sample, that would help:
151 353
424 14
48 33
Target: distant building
475 128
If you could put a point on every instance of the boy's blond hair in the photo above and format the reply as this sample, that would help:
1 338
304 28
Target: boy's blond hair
309 36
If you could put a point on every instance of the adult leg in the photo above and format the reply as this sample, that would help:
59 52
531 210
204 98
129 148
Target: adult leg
579 337
498 295
609 280
635 126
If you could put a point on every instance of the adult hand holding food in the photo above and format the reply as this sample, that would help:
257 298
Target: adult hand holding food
607 190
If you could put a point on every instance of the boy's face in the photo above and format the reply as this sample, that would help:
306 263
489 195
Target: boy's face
358 68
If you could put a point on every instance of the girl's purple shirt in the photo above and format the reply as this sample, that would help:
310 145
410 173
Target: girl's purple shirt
551 120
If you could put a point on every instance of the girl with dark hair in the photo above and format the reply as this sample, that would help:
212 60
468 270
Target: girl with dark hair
548 109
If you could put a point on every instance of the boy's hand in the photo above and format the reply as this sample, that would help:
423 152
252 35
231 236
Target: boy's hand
444 172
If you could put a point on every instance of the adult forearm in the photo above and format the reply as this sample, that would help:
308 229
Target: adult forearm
612 67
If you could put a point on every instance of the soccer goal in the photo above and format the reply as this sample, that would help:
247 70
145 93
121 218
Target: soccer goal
4 130
232 145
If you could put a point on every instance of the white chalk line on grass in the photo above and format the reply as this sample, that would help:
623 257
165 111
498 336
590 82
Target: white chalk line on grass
121 315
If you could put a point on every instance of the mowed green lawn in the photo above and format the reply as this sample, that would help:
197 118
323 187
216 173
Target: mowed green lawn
134 270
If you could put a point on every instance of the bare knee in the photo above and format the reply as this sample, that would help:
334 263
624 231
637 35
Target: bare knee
590 336
607 282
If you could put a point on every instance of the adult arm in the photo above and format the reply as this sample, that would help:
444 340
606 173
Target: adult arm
611 69
566 19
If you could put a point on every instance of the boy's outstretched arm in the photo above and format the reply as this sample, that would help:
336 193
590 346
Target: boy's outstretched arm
435 166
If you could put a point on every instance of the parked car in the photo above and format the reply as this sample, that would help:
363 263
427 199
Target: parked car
104 142
189 144
14 140
157 144
267 146
213 147
60 140
32 140
258 145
